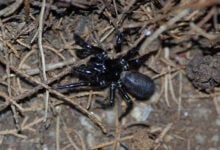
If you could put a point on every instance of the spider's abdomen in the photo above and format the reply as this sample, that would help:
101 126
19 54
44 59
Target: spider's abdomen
137 84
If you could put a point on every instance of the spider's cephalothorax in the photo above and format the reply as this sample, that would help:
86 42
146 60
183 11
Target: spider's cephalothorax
102 72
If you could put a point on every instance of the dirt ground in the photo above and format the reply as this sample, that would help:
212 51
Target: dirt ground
37 52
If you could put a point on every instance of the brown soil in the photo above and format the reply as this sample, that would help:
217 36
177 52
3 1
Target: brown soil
183 113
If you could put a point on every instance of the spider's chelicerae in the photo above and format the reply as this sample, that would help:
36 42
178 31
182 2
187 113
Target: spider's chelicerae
118 73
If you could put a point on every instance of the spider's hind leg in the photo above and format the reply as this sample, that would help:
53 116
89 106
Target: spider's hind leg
127 100
111 100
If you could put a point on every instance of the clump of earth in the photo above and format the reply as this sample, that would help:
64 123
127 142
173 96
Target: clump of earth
204 72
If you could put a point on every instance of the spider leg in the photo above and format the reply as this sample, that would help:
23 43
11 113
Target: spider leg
111 100
73 85
133 51
136 63
127 99
120 38
85 71
119 42
87 48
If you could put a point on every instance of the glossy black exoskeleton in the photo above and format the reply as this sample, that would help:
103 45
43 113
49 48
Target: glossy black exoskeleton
102 72
137 84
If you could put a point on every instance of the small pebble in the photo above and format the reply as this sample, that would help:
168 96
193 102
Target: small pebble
90 140
141 112
212 148
110 115
217 122
200 138
215 138
201 113
186 114
85 123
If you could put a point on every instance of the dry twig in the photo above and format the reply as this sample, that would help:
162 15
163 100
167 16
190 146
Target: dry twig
63 97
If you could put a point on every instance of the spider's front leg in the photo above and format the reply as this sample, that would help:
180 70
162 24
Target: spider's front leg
87 48
111 100
119 41
133 51
120 38
136 63
72 85
82 71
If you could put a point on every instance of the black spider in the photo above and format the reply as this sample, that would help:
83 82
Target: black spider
102 72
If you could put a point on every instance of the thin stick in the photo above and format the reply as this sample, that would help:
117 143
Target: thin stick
37 88
63 97
72 143
11 101
51 66
217 105
112 142
163 133
11 8
180 93
41 50
8 61
166 79
164 28
58 128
